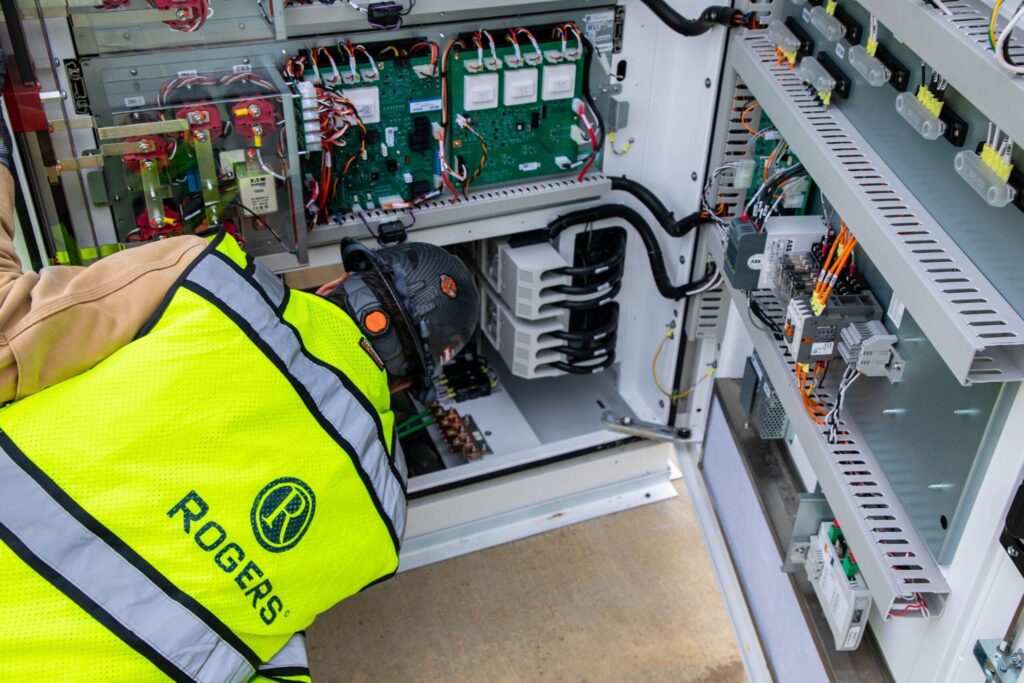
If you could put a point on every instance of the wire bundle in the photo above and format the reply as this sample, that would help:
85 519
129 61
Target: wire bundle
834 417
806 383
839 254
1001 44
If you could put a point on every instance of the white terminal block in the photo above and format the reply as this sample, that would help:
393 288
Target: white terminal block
523 276
559 82
928 125
828 26
480 92
366 102
783 38
526 346
520 87
811 71
868 66
993 189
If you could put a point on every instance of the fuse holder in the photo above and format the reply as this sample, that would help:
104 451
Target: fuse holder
989 186
828 26
783 38
920 118
811 71
868 66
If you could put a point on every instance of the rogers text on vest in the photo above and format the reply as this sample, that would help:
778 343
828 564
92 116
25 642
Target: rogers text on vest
229 556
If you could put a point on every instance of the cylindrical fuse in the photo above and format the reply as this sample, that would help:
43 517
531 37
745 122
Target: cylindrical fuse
928 126
827 25
983 179
783 37
868 66
814 73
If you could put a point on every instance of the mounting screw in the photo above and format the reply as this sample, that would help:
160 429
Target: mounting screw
707 82
126 35
245 60
1011 551
682 259
117 197
241 26
56 62
693 176
134 72
661 403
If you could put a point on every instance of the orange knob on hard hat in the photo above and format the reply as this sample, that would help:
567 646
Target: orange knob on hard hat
375 322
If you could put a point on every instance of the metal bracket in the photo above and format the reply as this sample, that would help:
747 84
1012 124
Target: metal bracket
813 509
997 666
646 430
147 128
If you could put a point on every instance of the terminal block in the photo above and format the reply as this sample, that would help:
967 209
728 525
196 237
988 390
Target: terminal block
844 596
813 337
869 348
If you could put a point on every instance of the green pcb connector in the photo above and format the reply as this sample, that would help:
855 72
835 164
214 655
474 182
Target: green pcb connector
834 533
850 566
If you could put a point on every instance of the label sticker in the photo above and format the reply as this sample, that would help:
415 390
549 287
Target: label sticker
896 310
188 73
421 106
822 348
756 262
241 68
136 101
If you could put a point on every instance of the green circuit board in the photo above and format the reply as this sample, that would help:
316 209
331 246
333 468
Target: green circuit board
525 139
763 148
400 161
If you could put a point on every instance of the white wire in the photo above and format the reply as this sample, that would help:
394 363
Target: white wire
1005 36
267 169
942 6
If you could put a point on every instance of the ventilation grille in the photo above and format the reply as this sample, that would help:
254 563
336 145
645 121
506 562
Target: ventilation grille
975 308
904 554
708 315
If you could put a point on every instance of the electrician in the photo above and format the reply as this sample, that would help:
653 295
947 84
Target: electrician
195 461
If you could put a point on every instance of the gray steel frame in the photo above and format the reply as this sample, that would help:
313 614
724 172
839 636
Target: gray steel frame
957 47
851 479
932 275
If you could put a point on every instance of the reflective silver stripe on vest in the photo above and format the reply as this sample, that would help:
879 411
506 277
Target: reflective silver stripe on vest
291 656
87 562
345 413
269 283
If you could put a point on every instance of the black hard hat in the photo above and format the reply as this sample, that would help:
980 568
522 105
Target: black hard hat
417 304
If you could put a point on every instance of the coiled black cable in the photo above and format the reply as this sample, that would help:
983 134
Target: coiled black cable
716 15
654 255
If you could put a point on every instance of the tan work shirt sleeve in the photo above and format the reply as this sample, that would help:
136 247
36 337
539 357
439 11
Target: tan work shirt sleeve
62 321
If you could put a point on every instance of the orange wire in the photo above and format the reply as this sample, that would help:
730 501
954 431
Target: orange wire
743 116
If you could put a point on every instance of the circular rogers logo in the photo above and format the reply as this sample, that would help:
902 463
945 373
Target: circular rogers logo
448 286
282 513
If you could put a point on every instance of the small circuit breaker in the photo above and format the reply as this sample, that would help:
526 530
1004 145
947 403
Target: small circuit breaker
837 581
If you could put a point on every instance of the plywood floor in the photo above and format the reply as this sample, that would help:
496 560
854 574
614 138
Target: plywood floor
629 597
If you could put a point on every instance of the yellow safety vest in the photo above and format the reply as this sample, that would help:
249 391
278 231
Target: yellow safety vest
186 506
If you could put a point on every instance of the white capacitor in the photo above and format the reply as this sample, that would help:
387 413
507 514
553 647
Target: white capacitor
827 25
983 179
868 66
783 38
811 71
927 125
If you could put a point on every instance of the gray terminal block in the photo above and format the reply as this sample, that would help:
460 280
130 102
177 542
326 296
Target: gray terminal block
813 337
869 347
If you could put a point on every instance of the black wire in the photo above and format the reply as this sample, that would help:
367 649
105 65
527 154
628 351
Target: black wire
588 54
260 219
